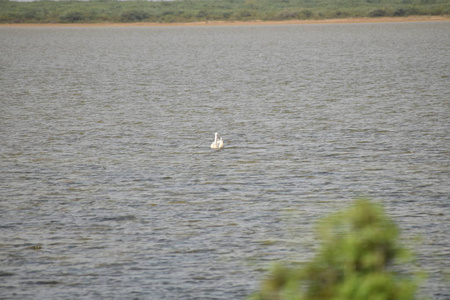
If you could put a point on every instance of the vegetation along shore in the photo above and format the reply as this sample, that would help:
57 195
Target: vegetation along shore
215 11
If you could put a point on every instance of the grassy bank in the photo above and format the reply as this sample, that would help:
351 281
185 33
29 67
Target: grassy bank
101 11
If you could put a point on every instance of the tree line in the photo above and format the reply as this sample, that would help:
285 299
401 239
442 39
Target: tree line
98 11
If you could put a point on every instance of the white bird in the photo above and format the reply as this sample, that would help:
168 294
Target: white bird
218 142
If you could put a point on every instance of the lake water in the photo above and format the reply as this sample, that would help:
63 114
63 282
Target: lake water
109 188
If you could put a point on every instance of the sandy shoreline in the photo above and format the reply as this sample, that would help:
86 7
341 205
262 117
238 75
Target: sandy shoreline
230 23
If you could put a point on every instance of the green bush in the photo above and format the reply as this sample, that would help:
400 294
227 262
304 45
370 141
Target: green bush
133 16
72 17
287 15
377 13
306 14
400 12
359 250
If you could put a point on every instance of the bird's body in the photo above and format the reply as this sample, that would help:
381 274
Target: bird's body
218 142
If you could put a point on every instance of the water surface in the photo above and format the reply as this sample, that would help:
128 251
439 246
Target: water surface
109 188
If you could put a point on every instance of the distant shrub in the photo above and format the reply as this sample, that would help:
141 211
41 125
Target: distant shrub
245 14
426 2
413 11
287 15
400 12
340 14
290 14
226 15
377 13
306 14
72 17
133 16
202 14
359 248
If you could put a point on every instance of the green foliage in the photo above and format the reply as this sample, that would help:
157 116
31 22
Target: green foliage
377 13
72 17
400 12
358 255
201 10
133 16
